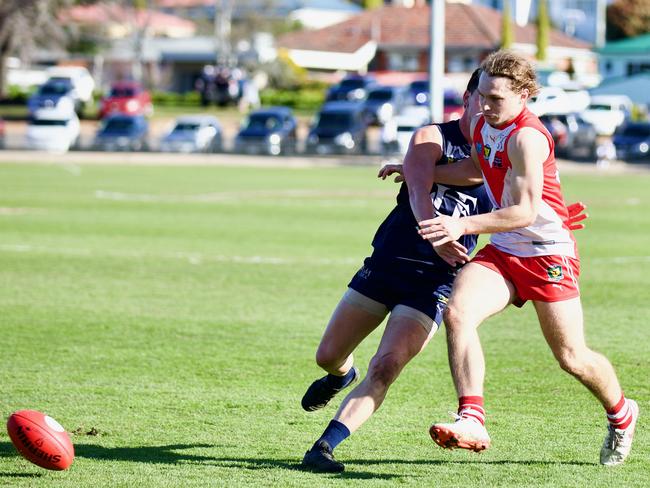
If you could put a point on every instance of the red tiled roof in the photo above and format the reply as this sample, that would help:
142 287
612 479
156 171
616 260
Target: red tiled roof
102 13
465 25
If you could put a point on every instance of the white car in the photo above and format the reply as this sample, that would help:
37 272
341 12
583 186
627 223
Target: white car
607 112
81 80
550 99
397 132
193 133
54 130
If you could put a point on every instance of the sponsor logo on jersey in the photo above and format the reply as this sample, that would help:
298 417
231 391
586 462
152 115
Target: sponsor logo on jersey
486 151
498 163
555 272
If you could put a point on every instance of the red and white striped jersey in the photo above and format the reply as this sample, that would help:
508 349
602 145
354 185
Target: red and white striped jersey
548 235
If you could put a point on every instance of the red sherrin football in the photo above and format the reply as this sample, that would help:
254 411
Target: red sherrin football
40 439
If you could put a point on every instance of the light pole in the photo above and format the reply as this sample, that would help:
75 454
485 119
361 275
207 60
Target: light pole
437 60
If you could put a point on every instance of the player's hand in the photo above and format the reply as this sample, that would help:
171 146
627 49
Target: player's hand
452 253
441 229
576 215
390 169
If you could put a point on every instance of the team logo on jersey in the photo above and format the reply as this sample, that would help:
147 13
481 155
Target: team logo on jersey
555 273
486 151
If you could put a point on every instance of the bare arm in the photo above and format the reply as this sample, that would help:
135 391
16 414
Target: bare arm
419 168
527 151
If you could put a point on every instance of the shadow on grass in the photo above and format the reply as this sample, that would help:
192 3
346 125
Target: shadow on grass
8 450
436 462
173 454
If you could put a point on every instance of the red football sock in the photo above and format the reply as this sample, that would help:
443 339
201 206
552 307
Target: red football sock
620 415
472 407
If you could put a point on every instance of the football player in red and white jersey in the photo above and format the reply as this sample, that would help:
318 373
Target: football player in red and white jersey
532 255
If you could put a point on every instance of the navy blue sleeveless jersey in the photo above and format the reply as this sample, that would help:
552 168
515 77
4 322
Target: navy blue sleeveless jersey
397 237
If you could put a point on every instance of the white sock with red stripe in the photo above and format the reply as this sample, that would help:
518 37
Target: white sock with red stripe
471 407
620 415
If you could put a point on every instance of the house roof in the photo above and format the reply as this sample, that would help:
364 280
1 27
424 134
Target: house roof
633 45
105 13
466 25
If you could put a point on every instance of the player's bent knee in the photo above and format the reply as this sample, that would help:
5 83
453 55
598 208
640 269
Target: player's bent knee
327 357
454 318
385 369
572 361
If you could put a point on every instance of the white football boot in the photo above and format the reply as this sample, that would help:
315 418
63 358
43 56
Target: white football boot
464 433
618 443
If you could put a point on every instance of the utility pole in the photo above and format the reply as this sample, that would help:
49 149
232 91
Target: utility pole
437 60
222 23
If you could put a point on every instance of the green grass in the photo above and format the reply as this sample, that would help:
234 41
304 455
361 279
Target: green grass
176 311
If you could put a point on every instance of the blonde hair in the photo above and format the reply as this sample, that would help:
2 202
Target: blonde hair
516 68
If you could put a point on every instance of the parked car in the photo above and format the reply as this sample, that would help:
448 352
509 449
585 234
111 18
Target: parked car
573 136
79 77
123 132
579 98
2 133
51 94
397 132
353 88
269 130
452 100
382 103
193 133
53 130
607 112
632 141
126 97
549 100
339 127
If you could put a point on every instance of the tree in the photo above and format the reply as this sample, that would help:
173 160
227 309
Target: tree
370 4
543 28
24 25
628 18
507 34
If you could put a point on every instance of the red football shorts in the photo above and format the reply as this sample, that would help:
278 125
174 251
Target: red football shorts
541 278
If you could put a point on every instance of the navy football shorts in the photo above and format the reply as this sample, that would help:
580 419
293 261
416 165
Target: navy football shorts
403 285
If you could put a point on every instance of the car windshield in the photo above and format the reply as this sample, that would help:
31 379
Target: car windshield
420 86
119 124
380 95
122 92
636 131
48 122
453 99
406 128
329 120
263 122
186 126
352 83
600 106
55 89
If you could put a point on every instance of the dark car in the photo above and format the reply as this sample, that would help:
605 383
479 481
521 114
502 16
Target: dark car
419 94
269 130
354 88
2 133
632 141
51 94
382 103
123 133
340 127
573 136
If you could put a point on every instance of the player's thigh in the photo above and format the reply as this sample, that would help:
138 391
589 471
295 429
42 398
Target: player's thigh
405 336
562 324
479 292
354 318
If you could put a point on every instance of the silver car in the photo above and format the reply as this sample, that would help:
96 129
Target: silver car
193 133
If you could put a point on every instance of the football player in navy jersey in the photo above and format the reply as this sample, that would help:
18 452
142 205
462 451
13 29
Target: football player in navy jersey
404 278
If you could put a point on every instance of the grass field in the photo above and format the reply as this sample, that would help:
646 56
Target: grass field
168 316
